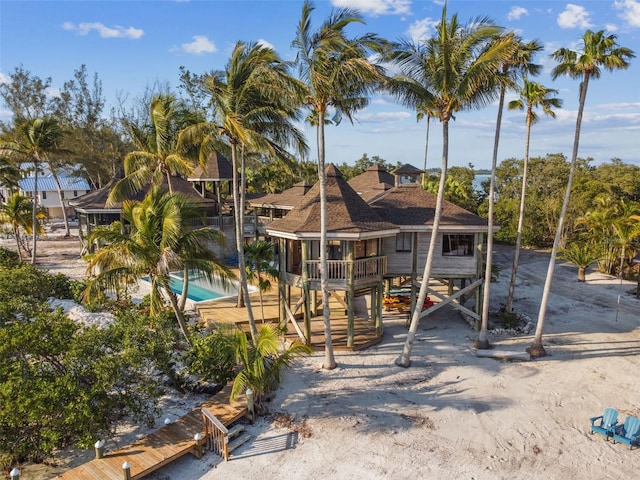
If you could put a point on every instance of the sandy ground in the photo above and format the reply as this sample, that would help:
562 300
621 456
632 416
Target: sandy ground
451 414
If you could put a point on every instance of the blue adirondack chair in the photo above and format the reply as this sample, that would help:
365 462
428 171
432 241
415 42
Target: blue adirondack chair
608 421
629 432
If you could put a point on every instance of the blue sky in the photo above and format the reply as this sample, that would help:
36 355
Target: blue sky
133 44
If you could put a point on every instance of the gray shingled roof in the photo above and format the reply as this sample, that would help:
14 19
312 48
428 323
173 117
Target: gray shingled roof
217 168
97 199
349 215
409 204
372 182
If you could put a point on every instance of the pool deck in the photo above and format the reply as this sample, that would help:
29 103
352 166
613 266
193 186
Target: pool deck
224 311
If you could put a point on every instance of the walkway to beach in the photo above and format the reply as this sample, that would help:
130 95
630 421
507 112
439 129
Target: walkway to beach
162 446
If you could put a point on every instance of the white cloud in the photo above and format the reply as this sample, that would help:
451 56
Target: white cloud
381 117
421 29
264 43
516 12
376 7
630 11
53 92
610 27
201 44
574 16
104 31
4 78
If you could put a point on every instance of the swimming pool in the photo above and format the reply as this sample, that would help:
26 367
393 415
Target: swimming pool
200 290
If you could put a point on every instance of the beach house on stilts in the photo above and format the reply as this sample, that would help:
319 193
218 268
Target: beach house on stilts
377 250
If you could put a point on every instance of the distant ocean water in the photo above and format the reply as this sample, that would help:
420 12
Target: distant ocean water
477 181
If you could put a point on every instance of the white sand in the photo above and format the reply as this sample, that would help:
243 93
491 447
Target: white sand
452 414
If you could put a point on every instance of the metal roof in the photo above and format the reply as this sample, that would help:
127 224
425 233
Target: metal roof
48 184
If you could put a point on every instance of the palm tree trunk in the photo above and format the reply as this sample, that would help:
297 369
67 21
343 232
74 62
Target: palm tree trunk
516 255
426 151
67 232
34 218
483 342
329 359
16 234
536 349
404 360
185 288
182 322
238 205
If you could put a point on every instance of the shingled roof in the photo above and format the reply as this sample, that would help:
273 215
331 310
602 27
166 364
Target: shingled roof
217 168
409 204
286 199
349 215
372 182
97 199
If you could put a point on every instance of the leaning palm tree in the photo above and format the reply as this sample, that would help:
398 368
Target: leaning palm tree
517 64
35 141
532 95
454 70
158 155
429 114
338 75
157 240
255 103
598 51
17 212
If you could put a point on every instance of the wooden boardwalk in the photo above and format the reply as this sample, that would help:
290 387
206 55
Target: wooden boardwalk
162 446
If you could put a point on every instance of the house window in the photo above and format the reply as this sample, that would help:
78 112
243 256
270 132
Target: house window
44 195
403 242
335 250
62 194
457 245
75 193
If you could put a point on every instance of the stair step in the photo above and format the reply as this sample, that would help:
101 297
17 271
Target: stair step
235 430
238 441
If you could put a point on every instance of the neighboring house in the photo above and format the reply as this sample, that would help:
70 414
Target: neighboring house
71 188
94 210
376 242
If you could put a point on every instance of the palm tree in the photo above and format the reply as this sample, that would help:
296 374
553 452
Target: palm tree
532 95
159 154
157 240
263 363
18 211
581 255
260 256
255 104
454 70
598 51
339 76
36 139
512 68
626 228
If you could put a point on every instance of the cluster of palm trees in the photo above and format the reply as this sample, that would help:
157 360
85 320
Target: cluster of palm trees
255 104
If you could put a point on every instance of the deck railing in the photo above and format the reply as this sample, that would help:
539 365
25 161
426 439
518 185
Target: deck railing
216 435
227 221
339 269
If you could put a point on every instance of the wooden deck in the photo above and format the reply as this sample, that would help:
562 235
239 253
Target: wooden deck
162 446
224 311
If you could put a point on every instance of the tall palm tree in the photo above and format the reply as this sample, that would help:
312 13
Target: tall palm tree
158 239
626 228
338 75
17 212
35 140
454 70
159 154
256 104
598 51
532 95
518 63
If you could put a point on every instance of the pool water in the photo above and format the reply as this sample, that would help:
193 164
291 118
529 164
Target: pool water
199 289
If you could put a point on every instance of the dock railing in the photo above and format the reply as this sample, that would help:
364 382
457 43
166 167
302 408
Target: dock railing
216 435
